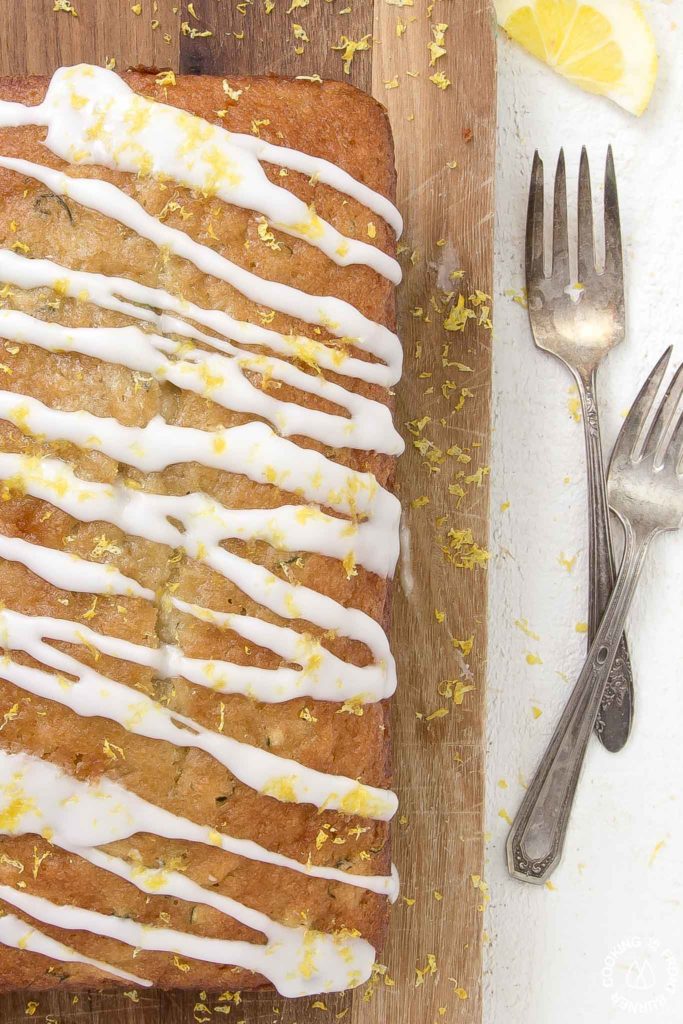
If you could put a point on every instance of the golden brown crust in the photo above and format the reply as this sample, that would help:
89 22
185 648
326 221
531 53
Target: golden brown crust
348 128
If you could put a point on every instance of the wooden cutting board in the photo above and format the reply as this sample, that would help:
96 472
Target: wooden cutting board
445 160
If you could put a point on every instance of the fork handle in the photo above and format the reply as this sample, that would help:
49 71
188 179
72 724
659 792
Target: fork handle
613 722
536 839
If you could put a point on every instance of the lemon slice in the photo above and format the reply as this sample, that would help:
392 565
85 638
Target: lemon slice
604 46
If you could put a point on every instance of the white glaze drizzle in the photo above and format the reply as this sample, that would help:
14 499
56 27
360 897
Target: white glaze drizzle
310 963
291 947
323 675
13 114
406 575
339 317
89 814
93 117
143 303
292 955
220 379
287 527
251 449
145 515
19 934
69 572
323 170
96 695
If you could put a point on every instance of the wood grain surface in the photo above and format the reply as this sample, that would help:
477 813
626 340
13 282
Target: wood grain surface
445 161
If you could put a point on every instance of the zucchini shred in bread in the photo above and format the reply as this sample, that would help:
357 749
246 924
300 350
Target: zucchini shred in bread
196 531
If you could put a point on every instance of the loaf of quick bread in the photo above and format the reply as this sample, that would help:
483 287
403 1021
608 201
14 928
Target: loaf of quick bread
197 531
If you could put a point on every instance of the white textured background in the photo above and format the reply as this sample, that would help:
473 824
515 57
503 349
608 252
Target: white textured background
547 949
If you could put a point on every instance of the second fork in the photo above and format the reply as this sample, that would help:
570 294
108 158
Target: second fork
646 492
579 326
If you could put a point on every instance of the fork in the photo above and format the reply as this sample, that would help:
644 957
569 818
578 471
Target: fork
645 490
580 325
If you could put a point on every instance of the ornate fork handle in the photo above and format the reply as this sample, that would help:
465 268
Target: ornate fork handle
536 839
613 722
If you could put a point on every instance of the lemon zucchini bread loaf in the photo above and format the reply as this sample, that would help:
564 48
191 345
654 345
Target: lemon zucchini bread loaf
197 531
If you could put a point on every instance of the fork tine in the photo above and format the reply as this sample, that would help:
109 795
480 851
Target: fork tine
560 239
613 253
659 435
629 436
676 445
534 224
586 245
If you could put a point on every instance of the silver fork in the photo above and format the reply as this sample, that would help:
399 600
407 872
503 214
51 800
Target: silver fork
580 326
646 491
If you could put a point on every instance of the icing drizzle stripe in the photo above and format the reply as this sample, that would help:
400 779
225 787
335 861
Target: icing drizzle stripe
96 695
251 449
106 123
18 934
146 515
13 114
322 675
338 316
144 303
286 965
90 814
220 379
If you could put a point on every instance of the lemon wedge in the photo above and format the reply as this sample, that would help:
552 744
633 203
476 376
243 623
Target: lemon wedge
604 46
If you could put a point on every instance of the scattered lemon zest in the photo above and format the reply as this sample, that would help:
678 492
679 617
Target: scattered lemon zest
436 48
112 751
9 716
267 236
196 33
459 315
440 80
574 407
464 645
523 626
439 713
166 78
567 563
429 969
38 860
350 47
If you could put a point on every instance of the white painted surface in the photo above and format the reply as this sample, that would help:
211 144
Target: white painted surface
546 961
